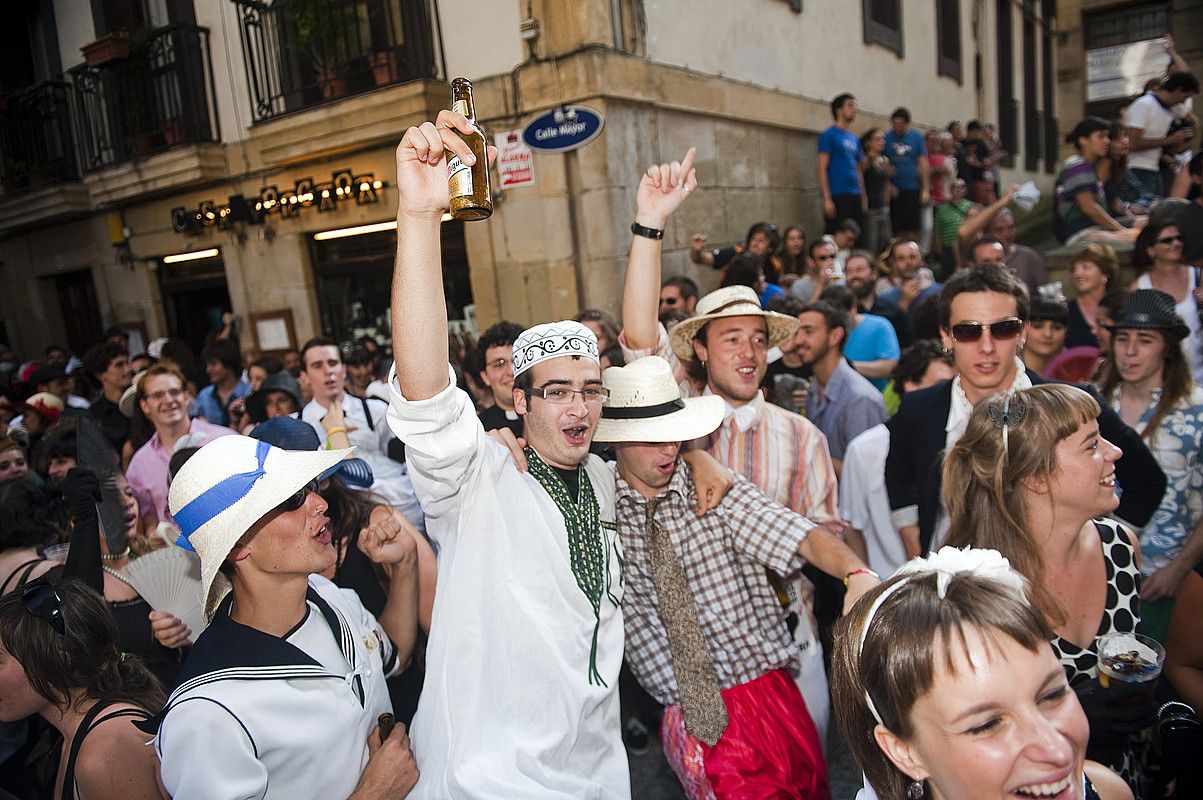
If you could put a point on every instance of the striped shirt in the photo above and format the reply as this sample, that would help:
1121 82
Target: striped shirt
782 453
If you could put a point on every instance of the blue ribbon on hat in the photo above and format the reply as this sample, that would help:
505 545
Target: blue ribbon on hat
218 498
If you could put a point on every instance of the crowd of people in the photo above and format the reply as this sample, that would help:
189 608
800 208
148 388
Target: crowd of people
891 456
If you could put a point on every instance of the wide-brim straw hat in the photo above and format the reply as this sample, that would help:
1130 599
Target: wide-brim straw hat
645 405
732 301
129 398
225 488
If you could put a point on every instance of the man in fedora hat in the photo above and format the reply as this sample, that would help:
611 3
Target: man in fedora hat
280 695
706 635
724 349
1146 379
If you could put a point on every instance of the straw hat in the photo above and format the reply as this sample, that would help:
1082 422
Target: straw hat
732 301
225 488
645 405
129 398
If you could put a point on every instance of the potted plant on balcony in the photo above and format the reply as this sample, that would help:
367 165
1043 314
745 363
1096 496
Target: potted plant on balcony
386 67
326 33
108 48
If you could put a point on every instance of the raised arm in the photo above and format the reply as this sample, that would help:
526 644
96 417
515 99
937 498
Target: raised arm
418 305
975 225
662 190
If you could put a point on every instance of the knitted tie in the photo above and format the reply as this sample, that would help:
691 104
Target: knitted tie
702 706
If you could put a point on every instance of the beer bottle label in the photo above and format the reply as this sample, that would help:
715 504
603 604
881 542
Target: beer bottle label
459 178
460 107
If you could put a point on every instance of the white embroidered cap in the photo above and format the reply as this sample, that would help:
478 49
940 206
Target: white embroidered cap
553 340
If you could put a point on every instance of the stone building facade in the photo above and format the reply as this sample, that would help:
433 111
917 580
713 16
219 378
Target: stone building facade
223 111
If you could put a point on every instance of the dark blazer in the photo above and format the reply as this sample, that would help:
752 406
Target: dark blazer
914 465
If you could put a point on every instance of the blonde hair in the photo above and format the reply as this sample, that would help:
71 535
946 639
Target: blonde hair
982 474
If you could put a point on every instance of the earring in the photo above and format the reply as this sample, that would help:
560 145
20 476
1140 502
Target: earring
915 791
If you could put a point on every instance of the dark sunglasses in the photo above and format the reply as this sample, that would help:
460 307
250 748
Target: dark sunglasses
1168 239
295 501
1000 330
41 600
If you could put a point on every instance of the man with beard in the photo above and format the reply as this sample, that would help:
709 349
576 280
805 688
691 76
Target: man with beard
840 402
861 276
914 285
525 654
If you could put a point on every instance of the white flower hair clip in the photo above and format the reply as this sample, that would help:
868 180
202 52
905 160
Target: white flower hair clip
945 563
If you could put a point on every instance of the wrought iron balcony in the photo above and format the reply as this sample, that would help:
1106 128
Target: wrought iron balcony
160 97
35 137
302 53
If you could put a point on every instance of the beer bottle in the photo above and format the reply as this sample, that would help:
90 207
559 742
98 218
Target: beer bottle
468 185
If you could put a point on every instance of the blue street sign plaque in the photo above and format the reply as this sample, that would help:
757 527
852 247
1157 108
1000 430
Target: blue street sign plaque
563 129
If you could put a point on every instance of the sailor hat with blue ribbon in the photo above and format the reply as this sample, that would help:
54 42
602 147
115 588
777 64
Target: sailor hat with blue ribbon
229 485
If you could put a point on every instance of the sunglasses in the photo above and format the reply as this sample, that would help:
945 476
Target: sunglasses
295 501
1168 239
42 600
1001 330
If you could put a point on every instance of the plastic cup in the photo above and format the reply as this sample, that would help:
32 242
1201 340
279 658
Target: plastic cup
1131 658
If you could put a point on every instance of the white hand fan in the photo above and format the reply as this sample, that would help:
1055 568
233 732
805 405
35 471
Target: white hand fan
169 580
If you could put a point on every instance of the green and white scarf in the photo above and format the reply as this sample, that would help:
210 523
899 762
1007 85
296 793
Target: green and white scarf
587 550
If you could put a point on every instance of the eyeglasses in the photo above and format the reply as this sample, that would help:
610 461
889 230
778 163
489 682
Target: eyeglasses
174 394
42 600
297 500
1168 239
499 363
562 395
1001 330
828 257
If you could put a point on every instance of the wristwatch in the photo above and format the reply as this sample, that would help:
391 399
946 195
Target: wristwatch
646 232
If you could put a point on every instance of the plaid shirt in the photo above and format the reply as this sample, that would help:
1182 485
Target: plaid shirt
724 555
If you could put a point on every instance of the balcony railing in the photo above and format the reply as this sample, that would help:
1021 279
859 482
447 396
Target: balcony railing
35 137
160 97
302 53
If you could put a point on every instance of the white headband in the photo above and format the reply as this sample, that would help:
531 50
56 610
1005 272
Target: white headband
949 561
553 340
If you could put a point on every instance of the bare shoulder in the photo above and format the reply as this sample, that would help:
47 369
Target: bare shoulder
111 742
1109 785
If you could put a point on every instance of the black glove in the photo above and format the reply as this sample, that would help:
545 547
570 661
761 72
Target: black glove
1114 713
81 491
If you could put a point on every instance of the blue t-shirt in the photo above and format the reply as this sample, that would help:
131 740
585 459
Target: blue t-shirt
771 290
903 152
871 339
209 406
844 148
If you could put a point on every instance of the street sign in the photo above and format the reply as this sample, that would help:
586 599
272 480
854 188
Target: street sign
515 161
563 129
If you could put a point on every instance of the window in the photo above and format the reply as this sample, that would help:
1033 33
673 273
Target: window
1008 104
948 39
1128 24
883 23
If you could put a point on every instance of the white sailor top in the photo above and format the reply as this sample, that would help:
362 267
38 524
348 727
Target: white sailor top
259 716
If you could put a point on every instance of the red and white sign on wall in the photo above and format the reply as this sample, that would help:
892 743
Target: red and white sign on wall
515 162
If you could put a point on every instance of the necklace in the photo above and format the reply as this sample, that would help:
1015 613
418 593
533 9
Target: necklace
116 575
115 556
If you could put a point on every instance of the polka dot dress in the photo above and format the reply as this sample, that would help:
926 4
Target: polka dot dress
1120 615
